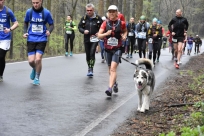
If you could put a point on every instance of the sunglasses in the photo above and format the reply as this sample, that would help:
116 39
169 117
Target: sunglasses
89 10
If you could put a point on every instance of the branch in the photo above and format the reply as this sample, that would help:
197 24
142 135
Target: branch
180 105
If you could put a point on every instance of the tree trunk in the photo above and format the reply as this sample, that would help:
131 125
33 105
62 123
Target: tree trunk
47 49
120 6
139 9
134 9
12 34
101 8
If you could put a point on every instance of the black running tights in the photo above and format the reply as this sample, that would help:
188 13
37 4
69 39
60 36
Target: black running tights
71 38
90 48
131 43
142 47
2 61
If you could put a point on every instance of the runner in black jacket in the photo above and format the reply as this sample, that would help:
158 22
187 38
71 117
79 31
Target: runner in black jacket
179 31
89 26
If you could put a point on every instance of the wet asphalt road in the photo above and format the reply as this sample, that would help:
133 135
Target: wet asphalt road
68 103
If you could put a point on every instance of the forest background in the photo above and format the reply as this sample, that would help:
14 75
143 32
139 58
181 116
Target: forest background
164 10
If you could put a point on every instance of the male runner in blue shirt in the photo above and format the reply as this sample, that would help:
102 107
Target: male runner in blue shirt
36 33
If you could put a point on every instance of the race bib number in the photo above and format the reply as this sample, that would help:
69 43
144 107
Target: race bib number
130 34
68 32
1 27
112 41
150 40
174 40
93 38
142 35
37 28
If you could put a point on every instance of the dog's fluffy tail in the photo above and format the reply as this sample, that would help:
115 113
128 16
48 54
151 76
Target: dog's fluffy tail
147 62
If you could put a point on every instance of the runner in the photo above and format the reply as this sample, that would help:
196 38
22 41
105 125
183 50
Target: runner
190 44
180 27
160 39
37 17
70 26
198 43
154 33
141 32
6 15
113 32
89 26
131 37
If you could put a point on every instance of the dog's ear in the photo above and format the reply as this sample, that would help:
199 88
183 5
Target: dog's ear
134 75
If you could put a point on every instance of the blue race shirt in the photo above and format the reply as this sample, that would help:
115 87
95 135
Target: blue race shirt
37 27
5 22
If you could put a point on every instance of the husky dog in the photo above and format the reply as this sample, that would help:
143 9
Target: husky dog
144 83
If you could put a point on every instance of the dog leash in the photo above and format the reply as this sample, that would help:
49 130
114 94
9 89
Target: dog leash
130 62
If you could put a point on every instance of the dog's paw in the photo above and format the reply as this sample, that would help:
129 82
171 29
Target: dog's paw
147 109
142 110
138 109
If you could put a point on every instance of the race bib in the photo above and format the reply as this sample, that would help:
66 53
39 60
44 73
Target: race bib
68 32
93 38
37 28
142 35
150 40
1 27
112 41
130 34
174 40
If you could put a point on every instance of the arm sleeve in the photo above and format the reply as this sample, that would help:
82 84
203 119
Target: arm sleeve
74 26
51 27
80 26
169 26
149 33
25 27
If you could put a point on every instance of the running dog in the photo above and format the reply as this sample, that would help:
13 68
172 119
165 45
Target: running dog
144 83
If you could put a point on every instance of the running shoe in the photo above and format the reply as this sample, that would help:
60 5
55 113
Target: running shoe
32 75
1 79
90 72
177 66
115 87
66 54
127 56
36 82
103 60
108 91
130 56
180 62
70 54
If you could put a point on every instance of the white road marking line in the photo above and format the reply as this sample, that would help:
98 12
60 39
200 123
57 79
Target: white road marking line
107 113
104 115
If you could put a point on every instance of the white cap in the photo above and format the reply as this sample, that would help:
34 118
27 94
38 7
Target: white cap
112 7
103 18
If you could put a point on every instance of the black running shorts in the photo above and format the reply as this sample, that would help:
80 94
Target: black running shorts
36 47
178 39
